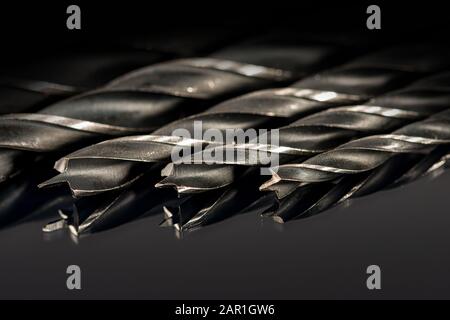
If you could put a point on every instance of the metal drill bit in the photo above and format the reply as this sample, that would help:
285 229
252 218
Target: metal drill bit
309 136
25 88
316 133
215 205
123 155
88 170
309 200
306 201
369 152
410 104
300 59
423 93
93 214
85 66
364 166
137 102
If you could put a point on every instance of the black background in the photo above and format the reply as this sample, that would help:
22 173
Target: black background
405 231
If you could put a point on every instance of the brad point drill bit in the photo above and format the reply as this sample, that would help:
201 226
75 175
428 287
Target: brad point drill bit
123 153
312 199
365 165
138 102
306 137
92 166
213 206
93 214
88 171
26 88
324 129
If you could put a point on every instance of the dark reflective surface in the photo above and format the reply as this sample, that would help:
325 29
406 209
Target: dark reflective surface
404 230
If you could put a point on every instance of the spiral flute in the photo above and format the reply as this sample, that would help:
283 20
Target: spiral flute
143 100
25 88
312 199
321 131
364 166
308 136
87 170
302 139
368 153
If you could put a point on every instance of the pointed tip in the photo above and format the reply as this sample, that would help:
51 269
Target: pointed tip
167 213
180 189
170 216
167 170
162 184
166 183
58 179
63 215
61 164
267 186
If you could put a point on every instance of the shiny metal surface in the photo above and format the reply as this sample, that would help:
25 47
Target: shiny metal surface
217 117
88 172
302 139
364 166
139 101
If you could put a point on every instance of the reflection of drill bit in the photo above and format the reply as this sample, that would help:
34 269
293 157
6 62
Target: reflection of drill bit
364 166
88 171
20 198
91 214
311 199
315 134
137 102
216 205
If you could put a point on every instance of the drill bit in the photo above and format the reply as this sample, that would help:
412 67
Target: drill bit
306 137
88 170
321 131
364 166
137 102
297 200
306 201
25 87
111 156
122 154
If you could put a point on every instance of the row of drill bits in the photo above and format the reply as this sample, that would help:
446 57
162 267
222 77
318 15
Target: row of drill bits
347 121
143 100
304 138
330 124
